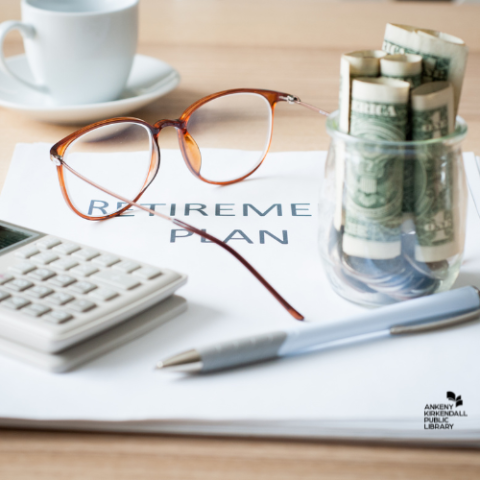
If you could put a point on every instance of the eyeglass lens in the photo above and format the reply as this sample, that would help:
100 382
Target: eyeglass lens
241 123
100 155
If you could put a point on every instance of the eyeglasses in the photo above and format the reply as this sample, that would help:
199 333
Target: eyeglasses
239 120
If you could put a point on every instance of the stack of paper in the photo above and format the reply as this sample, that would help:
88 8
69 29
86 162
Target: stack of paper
380 389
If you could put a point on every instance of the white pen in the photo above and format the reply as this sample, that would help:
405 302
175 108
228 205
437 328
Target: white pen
413 316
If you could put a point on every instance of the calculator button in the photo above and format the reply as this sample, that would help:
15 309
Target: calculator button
117 280
147 273
39 291
22 267
126 266
15 303
104 294
67 248
65 264
19 285
62 280
83 287
5 277
80 305
41 274
27 252
57 316
44 258
35 310
60 298
48 242
84 270
106 260
3 295
86 254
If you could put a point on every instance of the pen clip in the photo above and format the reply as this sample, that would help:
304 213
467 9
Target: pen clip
435 325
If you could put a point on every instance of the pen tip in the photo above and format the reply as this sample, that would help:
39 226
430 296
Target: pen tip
158 366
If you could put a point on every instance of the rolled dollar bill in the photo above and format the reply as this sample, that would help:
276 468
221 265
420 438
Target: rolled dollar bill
432 110
406 67
435 193
362 63
403 66
444 56
374 175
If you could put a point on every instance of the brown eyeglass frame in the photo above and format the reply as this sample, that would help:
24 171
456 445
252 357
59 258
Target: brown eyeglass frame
192 157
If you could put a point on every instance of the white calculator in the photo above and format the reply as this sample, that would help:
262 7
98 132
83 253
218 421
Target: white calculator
55 293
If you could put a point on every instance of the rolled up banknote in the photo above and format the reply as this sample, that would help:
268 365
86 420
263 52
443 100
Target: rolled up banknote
403 66
362 63
432 111
435 196
444 56
374 176
406 67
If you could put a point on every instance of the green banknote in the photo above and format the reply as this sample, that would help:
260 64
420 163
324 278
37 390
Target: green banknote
434 194
362 63
374 174
406 67
444 56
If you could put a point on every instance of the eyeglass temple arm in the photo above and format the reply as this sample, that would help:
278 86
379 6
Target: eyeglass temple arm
293 99
244 262
294 313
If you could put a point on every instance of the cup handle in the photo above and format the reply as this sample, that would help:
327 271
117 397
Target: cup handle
27 31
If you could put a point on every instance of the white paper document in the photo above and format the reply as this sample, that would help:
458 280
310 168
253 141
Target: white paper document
379 389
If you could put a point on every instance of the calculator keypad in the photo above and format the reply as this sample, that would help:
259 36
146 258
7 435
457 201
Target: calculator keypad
27 252
85 270
60 298
19 285
104 294
5 277
117 280
82 287
86 254
15 303
41 274
147 273
3 295
35 310
57 316
62 280
81 305
106 260
39 291
44 258
56 282
22 267
48 242
66 248
65 263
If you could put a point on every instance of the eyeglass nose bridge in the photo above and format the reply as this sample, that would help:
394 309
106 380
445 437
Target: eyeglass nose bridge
161 124
189 148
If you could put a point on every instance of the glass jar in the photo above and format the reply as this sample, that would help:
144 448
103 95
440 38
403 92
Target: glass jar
392 216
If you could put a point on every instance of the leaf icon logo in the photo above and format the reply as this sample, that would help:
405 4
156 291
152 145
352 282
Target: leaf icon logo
458 400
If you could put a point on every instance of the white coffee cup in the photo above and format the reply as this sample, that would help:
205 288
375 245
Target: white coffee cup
79 51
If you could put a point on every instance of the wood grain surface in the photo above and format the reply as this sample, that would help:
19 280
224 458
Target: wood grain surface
289 45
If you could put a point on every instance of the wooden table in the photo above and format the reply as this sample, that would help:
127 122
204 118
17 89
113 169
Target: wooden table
289 45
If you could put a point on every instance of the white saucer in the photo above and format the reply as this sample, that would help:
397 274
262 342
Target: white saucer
149 79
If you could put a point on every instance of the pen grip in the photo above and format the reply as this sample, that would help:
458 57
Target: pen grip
242 351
